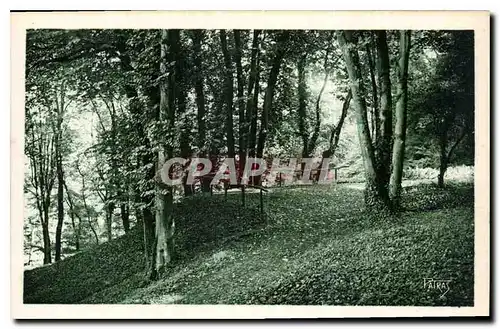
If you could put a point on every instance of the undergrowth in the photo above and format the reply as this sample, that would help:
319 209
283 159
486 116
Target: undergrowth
315 245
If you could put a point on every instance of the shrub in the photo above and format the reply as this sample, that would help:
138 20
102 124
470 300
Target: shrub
456 174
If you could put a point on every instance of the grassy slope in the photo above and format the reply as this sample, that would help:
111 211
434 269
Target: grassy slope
317 248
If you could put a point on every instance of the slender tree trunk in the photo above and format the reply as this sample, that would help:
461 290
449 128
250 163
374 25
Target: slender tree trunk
384 140
124 212
228 92
137 208
47 258
94 231
47 255
269 95
149 220
60 173
242 126
60 207
76 228
218 130
42 164
149 239
444 156
85 206
40 173
253 96
302 109
181 97
30 250
253 114
375 195
199 89
398 152
164 233
147 159
185 151
110 208
200 101
375 109
335 135
443 145
117 187
317 126
443 166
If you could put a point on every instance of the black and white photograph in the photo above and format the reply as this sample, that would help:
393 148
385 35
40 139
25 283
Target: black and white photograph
252 165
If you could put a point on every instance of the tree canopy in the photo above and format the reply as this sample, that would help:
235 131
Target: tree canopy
106 108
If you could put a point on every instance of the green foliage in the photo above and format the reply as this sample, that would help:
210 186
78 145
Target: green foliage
441 104
464 174
113 130
79 276
427 197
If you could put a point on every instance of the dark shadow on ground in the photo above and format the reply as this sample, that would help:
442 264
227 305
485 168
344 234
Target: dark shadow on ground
205 220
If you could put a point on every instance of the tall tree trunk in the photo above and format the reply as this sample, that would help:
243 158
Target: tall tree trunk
117 188
147 157
218 131
42 165
375 195
242 126
76 227
384 140
47 258
199 89
42 169
269 95
375 109
47 255
110 209
181 97
197 37
228 92
164 242
60 207
398 152
185 147
253 112
60 174
148 218
252 95
164 232
124 212
85 206
94 231
137 208
314 138
302 109
253 98
149 239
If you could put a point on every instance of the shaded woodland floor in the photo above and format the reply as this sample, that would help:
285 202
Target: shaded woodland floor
314 245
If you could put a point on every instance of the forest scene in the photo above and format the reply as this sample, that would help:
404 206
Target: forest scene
292 167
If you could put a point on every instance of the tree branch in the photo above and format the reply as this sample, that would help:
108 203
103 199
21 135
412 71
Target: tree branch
454 146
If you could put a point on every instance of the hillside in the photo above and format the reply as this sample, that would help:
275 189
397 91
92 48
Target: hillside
314 246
